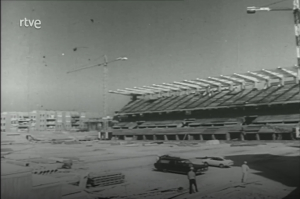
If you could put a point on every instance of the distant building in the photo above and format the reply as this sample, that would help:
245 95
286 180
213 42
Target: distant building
45 120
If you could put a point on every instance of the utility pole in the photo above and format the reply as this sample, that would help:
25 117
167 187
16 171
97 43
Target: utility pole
105 71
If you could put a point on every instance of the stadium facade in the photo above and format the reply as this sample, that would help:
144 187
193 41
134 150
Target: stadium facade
258 105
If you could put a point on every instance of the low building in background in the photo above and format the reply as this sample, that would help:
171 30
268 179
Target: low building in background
49 120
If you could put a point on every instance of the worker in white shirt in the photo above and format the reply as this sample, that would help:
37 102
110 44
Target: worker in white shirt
245 170
192 180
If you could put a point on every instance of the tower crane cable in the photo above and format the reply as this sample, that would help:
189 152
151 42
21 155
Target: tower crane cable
274 3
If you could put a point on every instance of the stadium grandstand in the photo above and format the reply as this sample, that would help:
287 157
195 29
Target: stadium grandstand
258 105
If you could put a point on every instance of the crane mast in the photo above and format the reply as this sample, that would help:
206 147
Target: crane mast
296 13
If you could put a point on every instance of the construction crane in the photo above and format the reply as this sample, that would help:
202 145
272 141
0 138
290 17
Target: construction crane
105 71
296 12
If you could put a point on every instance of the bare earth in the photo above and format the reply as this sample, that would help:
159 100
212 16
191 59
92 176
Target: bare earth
274 168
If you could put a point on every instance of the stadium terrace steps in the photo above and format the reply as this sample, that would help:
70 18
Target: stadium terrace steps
230 98
295 97
165 101
125 125
152 103
198 102
264 94
211 122
219 101
165 104
131 104
183 103
183 131
277 92
244 97
177 102
216 122
277 119
216 97
165 124
284 91
141 106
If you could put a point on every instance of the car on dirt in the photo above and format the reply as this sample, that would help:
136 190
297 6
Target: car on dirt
178 165
216 161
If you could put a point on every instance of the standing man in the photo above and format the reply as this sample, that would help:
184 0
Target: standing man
245 170
192 179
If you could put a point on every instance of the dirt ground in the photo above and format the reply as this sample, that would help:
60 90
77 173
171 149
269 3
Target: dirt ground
274 168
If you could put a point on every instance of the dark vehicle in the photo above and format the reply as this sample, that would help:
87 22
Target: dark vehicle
178 165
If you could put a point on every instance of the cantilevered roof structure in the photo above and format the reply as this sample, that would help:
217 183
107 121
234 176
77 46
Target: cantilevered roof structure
223 82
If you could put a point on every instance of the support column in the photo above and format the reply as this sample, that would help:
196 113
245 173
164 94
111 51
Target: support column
297 132
227 136
292 136
165 137
213 137
144 137
177 137
201 137
273 136
134 137
279 137
154 137
190 137
242 136
257 136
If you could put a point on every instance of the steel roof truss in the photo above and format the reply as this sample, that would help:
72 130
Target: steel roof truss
209 82
167 87
222 81
291 73
122 93
146 89
177 86
143 90
279 76
131 92
242 82
137 91
260 76
157 88
198 83
188 84
252 79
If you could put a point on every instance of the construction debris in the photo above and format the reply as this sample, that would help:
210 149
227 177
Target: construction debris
67 164
96 179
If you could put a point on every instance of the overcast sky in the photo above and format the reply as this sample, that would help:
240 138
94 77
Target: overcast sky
164 41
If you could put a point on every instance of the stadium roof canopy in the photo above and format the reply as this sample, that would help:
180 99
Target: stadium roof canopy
219 83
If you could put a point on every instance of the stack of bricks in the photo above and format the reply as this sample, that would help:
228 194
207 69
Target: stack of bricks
105 179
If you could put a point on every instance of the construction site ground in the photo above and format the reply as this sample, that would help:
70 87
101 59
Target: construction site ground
274 167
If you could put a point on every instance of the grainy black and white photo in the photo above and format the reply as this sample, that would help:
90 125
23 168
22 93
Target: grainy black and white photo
150 99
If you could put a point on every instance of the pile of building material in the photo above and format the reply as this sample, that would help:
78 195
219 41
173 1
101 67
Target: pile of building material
105 179
212 142
187 144
247 144
115 143
150 144
132 145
